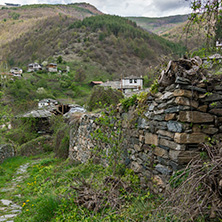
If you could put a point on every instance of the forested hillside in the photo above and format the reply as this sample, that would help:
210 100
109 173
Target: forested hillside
159 25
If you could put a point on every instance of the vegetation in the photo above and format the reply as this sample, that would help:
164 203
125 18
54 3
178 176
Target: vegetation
109 43
102 97
53 190
159 25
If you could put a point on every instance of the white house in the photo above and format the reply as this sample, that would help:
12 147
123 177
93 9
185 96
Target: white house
219 44
126 84
47 102
32 67
16 71
51 67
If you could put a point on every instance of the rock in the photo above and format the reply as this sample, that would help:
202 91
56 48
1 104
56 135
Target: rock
171 144
218 88
184 138
196 128
170 116
175 166
212 97
183 81
160 152
194 88
151 107
159 117
186 102
158 181
170 88
176 109
182 157
163 161
141 138
202 108
165 133
143 123
195 117
151 139
174 126
163 169
210 130
137 147
166 96
164 105
136 167
158 112
217 112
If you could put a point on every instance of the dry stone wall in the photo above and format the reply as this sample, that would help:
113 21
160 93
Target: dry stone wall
166 135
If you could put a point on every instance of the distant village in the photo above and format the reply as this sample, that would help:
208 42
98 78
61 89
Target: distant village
125 84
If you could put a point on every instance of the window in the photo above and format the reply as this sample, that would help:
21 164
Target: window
135 80
131 81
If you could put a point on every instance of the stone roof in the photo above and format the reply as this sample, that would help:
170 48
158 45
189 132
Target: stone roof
40 113
113 84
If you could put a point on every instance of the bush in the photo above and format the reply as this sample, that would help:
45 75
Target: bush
101 97
61 141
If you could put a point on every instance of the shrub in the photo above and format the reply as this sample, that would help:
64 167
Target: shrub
61 139
101 97
127 102
46 208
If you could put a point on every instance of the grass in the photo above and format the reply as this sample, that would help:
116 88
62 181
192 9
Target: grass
47 193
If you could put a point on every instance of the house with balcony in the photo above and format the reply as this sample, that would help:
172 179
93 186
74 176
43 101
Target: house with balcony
33 67
126 84
51 67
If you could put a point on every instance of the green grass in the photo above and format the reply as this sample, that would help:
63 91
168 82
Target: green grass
8 169
47 193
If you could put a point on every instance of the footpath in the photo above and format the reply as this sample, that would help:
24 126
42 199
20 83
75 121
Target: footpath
8 209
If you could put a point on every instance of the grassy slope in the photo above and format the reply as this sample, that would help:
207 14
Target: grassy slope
47 193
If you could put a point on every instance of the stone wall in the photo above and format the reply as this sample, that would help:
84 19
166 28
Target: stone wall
6 151
165 136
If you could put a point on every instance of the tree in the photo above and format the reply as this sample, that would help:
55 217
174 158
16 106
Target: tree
80 75
207 13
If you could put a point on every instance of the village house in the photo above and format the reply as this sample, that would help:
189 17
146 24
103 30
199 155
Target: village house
32 67
47 102
51 67
95 83
126 84
218 44
15 71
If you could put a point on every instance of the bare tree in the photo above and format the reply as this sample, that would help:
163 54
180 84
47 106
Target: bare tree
208 14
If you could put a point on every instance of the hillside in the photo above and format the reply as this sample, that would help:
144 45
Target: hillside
18 21
115 44
159 25
173 28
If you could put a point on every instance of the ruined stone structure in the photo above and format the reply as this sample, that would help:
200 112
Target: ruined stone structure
166 135
6 151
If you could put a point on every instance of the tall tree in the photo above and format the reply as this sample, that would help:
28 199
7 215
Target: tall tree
207 13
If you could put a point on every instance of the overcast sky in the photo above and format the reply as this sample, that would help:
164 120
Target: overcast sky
148 8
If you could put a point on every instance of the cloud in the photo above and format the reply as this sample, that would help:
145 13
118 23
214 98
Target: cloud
149 8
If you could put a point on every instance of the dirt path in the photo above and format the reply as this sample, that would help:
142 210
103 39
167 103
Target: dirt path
8 209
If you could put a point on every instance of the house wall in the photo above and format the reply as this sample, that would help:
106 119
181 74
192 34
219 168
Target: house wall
139 83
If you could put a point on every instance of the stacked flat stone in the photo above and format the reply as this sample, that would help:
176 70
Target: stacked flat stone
166 136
